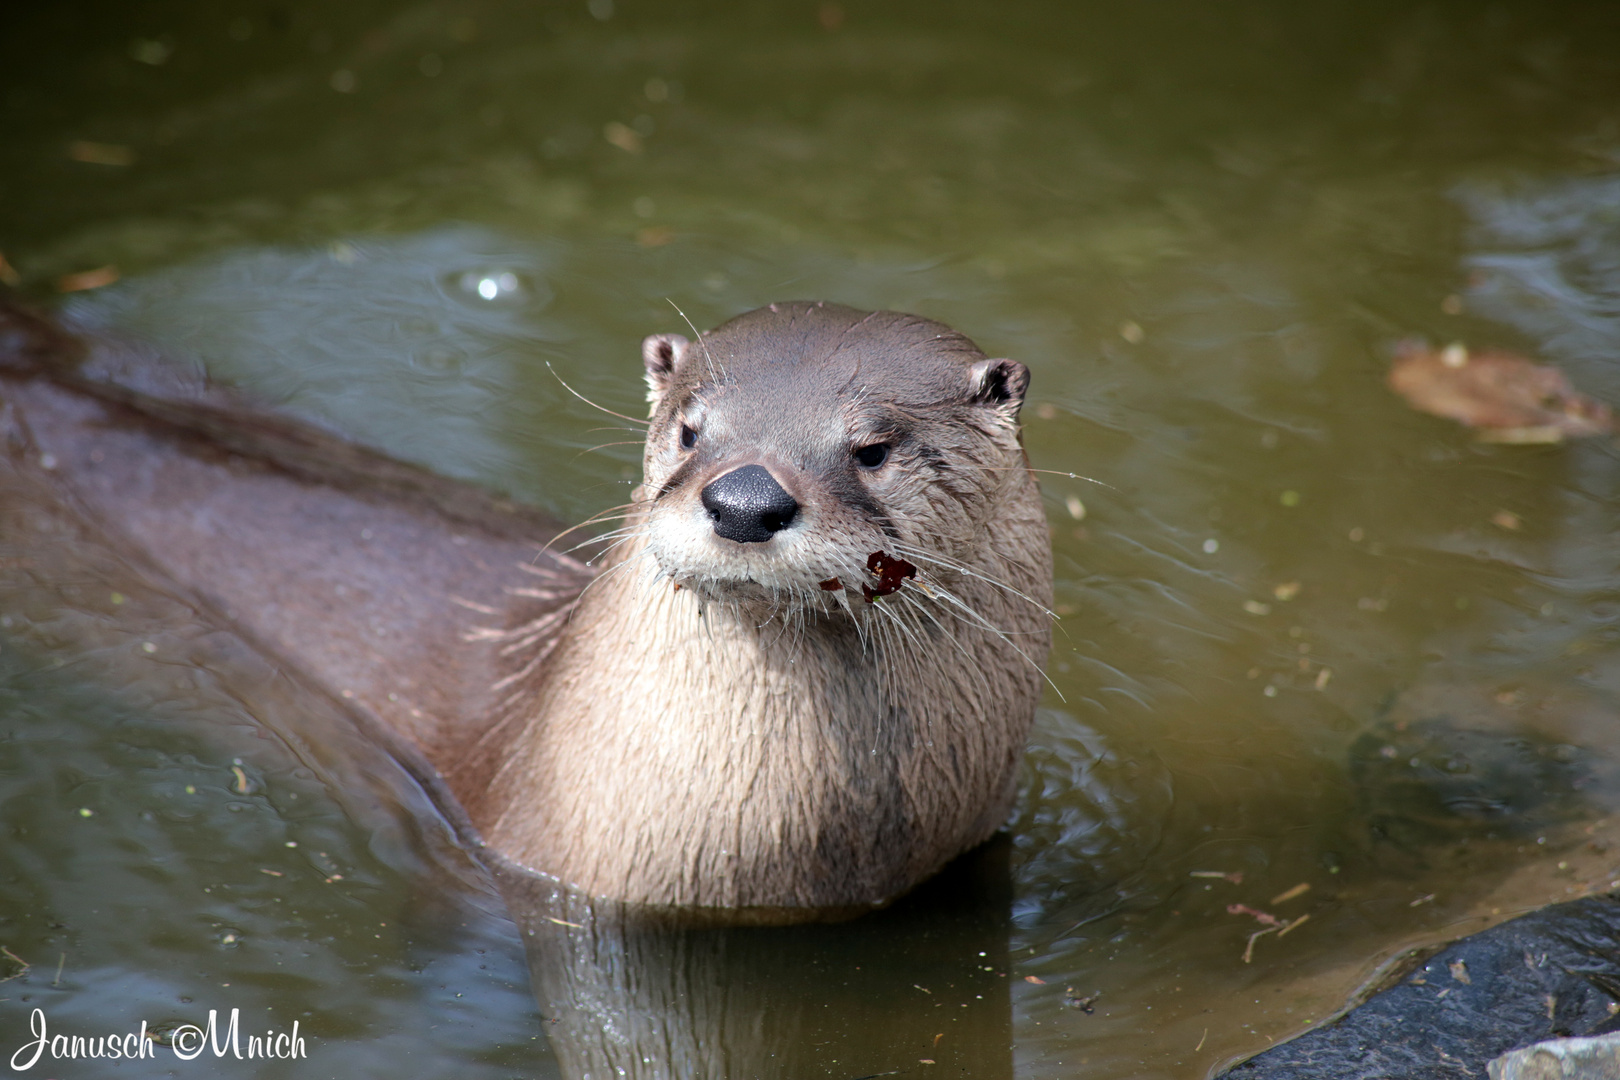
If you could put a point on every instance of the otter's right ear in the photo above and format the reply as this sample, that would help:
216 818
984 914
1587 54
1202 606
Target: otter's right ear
662 354
1001 383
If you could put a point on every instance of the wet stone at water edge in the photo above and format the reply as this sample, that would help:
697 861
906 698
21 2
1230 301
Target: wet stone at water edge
1550 974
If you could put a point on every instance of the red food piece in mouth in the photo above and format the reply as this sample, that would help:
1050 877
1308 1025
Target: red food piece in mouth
890 572
832 584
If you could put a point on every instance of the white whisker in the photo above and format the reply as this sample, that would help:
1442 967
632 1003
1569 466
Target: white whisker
911 552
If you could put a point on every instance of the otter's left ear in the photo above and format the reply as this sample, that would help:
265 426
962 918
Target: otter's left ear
1000 383
662 354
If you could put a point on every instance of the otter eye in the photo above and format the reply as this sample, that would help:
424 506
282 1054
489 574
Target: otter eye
688 438
872 456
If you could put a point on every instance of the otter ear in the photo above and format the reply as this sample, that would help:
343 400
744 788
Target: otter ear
662 354
999 383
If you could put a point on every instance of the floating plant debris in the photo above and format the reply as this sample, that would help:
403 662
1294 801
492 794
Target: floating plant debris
1087 1004
1505 398
87 279
1270 924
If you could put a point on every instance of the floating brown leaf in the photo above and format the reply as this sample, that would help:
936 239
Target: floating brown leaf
623 136
87 279
99 153
1506 398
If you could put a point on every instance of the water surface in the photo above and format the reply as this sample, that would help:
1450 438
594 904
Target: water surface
1307 637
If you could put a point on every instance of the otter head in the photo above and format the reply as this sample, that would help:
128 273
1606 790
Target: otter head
792 444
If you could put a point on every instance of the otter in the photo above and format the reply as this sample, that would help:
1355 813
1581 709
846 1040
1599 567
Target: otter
778 732
799 681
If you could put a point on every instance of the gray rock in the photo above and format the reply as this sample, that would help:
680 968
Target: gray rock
1551 974
1596 1058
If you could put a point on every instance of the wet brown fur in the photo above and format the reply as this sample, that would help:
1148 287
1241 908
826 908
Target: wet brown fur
748 740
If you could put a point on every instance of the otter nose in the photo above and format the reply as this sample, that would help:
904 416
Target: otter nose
748 505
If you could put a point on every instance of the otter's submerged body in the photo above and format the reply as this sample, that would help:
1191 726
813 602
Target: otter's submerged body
803 677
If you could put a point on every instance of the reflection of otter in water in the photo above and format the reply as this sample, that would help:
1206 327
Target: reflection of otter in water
737 712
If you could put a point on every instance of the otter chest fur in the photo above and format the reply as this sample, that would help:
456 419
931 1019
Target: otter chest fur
806 672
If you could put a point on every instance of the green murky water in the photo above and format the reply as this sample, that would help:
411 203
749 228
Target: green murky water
1309 637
